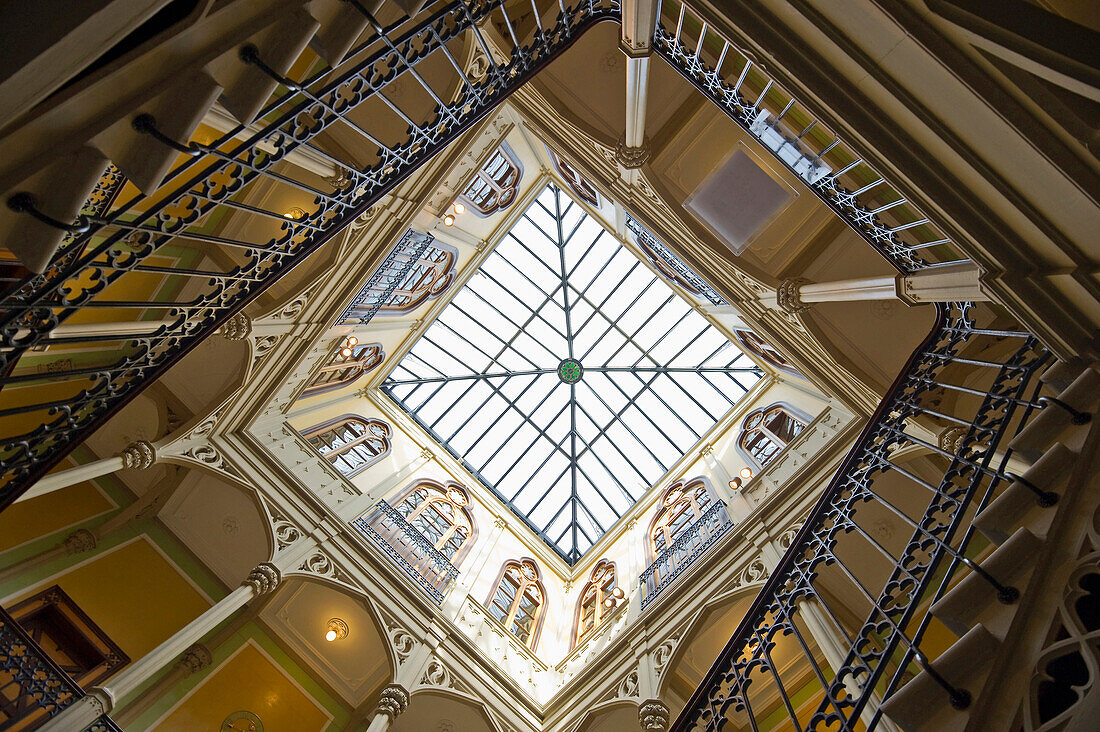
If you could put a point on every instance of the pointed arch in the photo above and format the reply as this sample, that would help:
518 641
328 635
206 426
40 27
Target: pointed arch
683 503
754 344
766 431
576 182
496 183
440 512
351 443
343 368
592 608
518 600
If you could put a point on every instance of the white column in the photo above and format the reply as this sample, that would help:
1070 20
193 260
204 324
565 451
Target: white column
637 91
394 701
139 455
948 283
100 700
835 649
639 24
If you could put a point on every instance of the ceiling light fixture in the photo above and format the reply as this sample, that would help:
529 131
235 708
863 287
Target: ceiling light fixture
448 220
352 340
458 208
345 352
337 630
745 473
294 213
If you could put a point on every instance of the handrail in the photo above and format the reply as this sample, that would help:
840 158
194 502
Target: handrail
712 525
42 684
445 573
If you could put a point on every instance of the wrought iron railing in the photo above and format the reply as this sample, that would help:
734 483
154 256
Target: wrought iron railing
147 257
395 269
660 252
691 544
800 141
33 688
409 549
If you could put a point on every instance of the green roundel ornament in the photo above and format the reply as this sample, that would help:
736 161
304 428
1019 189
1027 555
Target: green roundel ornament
569 371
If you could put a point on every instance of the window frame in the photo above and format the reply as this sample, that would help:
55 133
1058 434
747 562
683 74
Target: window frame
751 342
796 415
335 423
441 492
581 187
504 195
540 610
601 613
688 488
435 276
360 365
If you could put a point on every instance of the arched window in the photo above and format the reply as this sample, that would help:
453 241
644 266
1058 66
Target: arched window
597 600
752 343
343 369
767 431
519 600
439 512
352 444
577 183
428 278
495 184
683 504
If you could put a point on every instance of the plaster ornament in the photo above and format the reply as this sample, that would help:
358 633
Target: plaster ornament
79 541
237 327
263 578
394 701
653 716
139 455
789 295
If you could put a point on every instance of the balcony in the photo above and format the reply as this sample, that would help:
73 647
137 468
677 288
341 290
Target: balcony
685 549
406 547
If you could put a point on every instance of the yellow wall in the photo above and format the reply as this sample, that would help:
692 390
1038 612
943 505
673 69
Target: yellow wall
37 517
249 680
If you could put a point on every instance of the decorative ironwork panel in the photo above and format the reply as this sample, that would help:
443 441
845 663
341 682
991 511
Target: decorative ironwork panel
671 265
35 685
410 550
691 544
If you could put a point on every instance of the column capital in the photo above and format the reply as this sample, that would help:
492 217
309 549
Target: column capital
631 158
140 455
789 295
79 541
196 658
237 328
263 578
653 715
394 701
951 439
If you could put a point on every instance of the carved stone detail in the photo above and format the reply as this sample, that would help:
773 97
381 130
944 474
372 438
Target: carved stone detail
789 295
403 643
237 327
632 158
653 715
394 701
629 686
79 541
285 532
951 439
196 658
436 674
139 455
264 578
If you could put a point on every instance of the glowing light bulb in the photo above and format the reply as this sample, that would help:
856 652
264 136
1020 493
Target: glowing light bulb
745 473
448 220
735 484
330 636
352 340
459 208
608 602
618 592
345 352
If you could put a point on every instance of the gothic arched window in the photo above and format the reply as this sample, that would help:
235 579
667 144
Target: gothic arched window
754 344
439 512
352 444
428 278
519 600
597 600
683 504
767 431
495 185
343 368
577 183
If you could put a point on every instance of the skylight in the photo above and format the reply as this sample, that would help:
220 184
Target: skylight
568 377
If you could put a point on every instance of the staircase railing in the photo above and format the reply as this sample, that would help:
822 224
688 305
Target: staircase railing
162 256
409 549
33 688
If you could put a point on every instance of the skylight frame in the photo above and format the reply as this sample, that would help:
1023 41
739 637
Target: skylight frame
625 384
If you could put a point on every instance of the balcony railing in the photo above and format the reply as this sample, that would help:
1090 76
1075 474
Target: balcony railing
33 688
691 544
410 550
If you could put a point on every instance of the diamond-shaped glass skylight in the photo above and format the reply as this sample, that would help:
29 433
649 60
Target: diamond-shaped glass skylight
568 377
